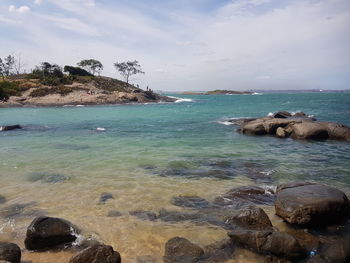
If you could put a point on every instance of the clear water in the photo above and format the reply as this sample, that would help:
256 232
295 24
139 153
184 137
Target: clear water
150 153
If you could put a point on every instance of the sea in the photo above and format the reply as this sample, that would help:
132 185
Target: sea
143 155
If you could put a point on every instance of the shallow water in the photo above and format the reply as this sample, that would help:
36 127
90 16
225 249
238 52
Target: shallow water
60 164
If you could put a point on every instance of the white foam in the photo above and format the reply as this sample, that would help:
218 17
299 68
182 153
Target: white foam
227 123
178 100
256 93
80 105
270 114
100 129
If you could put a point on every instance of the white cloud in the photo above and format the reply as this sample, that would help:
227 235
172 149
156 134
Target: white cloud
38 2
22 9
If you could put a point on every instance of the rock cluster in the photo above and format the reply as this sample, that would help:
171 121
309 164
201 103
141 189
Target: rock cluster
297 126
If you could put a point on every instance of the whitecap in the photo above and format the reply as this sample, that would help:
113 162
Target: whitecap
256 93
227 123
80 105
178 100
100 129
270 114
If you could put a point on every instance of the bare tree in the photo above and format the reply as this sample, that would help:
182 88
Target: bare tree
126 69
19 64
6 66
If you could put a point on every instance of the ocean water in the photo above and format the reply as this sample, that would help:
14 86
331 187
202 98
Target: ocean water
144 155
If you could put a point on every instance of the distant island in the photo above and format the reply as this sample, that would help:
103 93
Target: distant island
218 92
47 85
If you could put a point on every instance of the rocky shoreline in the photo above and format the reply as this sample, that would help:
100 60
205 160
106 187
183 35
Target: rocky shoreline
309 207
296 126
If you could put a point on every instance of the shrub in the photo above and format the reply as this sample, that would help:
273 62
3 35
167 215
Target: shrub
44 91
11 88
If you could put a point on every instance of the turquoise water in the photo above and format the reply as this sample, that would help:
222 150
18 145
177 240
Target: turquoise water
149 153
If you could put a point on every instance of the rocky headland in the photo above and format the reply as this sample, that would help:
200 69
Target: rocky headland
297 126
24 90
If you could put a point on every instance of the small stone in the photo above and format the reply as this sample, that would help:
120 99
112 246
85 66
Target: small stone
114 213
97 254
180 250
105 197
10 252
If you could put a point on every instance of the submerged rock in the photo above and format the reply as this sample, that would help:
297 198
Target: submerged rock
194 202
48 232
105 197
20 210
146 259
47 178
310 203
144 215
219 251
246 195
180 250
10 252
10 127
97 254
114 213
269 242
2 199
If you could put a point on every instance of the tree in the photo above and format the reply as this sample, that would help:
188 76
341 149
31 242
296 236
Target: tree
76 71
6 66
129 68
18 64
91 65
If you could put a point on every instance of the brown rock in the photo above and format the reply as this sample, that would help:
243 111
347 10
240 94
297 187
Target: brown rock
10 252
338 252
310 203
180 250
97 254
310 130
269 242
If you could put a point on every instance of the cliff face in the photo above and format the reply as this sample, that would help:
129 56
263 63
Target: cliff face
81 91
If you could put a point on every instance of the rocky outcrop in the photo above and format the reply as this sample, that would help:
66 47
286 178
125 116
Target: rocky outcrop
297 126
10 127
180 250
269 242
97 253
10 252
310 203
48 232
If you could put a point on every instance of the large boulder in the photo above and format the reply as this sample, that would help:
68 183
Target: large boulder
269 242
180 250
338 131
249 217
97 253
10 252
310 203
48 232
310 131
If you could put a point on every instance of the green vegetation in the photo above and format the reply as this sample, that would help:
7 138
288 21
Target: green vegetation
127 69
11 88
91 65
76 71
50 74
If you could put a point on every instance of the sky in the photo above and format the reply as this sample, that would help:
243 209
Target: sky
192 45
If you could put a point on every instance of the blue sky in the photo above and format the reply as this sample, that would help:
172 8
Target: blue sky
189 44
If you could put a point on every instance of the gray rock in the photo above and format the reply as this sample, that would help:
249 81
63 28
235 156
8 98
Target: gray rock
49 232
10 252
180 250
219 251
308 203
144 215
114 213
97 254
10 127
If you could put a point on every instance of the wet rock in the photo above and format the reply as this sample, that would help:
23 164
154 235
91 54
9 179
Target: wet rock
338 252
144 215
180 250
97 253
146 259
310 203
114 213
194 202
48 232
338 131
241 121
2 199
219 251
250 217
253 194
10 127
282 133
105 197
269 242
10 252
47 178
282 115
